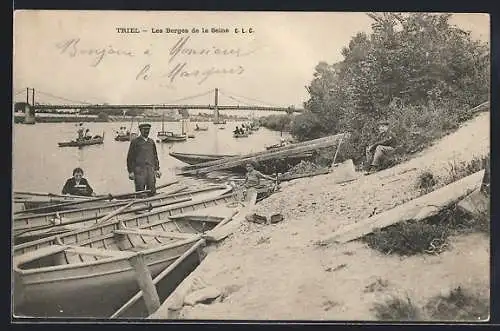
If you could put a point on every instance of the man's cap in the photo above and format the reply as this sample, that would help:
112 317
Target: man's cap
144 126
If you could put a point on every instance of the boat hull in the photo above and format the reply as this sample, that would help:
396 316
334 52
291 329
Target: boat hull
87 290
29 223
81 143
245 135
172 139
197 158
125 137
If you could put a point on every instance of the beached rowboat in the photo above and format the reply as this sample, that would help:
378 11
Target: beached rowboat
197 158
87 272
31 227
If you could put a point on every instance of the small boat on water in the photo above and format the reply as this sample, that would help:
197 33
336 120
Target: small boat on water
95 140
126 137
240 135
197 158
169 136
94 264
201 128
275 146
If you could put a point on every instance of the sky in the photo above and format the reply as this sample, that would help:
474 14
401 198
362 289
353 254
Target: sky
79 55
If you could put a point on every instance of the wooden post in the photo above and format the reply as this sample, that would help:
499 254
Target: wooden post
145 282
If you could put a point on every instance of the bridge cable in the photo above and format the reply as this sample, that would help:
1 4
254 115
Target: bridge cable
252 99
65 99
190 97
237 100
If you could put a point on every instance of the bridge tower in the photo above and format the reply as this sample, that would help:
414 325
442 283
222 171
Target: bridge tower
29 109
216 109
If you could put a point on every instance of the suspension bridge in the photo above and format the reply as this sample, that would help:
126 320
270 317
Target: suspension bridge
242 103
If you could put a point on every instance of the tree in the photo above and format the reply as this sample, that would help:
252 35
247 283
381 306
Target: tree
103 117
419 59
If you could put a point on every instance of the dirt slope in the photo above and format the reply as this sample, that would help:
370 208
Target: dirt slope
279 272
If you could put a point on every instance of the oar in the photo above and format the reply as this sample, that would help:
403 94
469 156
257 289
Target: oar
114 213
99 198
52 195
64 204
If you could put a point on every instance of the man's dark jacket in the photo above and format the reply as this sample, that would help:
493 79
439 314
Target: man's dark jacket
142 153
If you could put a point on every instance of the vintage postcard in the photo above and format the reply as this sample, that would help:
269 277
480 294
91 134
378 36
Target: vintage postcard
251 166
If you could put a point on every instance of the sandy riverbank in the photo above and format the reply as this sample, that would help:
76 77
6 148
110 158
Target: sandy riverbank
279 272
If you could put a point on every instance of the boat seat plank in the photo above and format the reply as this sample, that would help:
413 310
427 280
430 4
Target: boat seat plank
98 252
39 253
154 233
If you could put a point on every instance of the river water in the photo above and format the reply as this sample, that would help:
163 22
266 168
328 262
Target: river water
40 165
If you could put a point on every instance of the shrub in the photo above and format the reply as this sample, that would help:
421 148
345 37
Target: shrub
458 170
276 122
103 117
426 182
397 309
307 126
429 236
407 238
458 305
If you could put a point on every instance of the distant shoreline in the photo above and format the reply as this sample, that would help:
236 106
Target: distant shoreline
19 119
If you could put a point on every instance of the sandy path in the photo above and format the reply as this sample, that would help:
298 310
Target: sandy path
278 271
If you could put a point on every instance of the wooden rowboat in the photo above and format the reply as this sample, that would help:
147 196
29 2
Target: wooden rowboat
32 227
96 140
48 202
201 128
171 137
240 135
93 264
197 158
125 137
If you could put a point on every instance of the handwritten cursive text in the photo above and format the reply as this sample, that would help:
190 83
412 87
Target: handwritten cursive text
71 47
181 48
182 71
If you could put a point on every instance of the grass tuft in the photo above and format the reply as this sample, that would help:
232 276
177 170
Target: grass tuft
397 309
458 305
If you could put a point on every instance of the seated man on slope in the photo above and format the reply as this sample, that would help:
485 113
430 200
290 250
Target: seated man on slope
382 149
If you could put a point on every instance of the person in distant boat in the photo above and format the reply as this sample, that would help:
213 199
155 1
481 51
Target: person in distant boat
122 131
80 131
237 130
88 135
143 165
282 142
197 127
77 185
253 177
380 150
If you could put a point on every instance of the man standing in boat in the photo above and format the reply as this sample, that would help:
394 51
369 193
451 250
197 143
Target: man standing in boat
142 161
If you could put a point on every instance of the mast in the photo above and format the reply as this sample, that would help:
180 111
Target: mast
162 121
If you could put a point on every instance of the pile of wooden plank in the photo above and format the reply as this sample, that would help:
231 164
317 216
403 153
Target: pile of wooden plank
290 151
